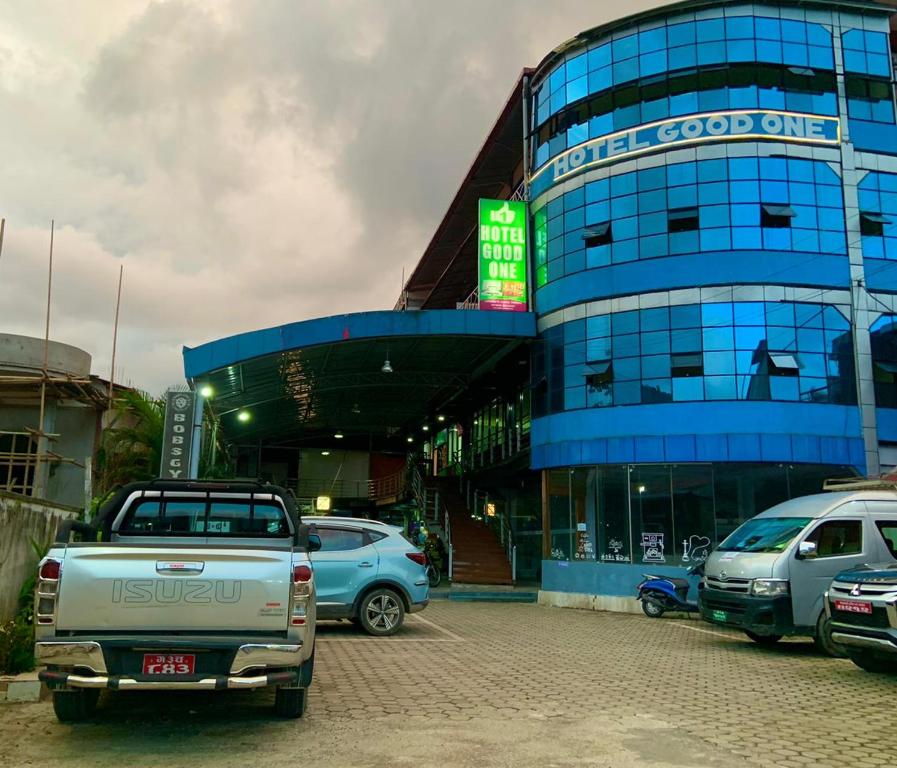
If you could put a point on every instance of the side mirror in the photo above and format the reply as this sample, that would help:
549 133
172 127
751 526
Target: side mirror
806 550
314 542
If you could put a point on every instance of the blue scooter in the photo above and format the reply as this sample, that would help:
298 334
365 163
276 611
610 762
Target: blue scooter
659 594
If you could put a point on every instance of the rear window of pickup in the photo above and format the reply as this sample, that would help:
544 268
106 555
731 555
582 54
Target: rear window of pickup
202 517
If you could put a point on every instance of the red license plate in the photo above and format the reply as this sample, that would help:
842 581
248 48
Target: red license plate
169 663
853 606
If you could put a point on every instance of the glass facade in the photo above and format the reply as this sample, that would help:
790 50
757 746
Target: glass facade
674 46
715 274
715 351
639 215
662 513
883 337
878 215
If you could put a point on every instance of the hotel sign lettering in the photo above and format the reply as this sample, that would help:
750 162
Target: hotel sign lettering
716 126
502 255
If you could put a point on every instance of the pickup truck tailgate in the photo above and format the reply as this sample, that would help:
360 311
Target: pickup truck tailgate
152 588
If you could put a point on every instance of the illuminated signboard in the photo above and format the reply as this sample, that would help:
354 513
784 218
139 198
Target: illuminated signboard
502 255
716 126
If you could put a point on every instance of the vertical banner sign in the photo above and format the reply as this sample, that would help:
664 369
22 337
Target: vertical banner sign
502 255
177 440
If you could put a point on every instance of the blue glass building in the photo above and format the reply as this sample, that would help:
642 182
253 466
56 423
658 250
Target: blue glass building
713 242
713 190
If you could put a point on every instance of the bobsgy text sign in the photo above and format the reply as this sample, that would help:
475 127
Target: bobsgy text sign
716 126
502 255
177 439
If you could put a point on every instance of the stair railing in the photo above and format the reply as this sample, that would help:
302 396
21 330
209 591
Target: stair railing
506 537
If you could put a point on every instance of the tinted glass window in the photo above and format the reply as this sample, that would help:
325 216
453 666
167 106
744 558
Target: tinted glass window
190 517
144 517
340 539
888 531
185 516
765 534
838 537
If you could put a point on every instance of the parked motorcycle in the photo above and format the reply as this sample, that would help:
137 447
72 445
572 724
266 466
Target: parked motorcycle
659 594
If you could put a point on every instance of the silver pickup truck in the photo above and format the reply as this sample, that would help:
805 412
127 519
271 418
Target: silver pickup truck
179 585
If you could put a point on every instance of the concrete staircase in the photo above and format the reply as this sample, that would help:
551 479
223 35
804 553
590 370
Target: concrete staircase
479 557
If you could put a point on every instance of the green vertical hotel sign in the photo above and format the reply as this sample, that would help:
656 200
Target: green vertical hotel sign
502 255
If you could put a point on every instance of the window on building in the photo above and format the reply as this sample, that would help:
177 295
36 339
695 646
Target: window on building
776 215
873 224
783 364
600 373
869 98
683 219
18 452
598 234
687 364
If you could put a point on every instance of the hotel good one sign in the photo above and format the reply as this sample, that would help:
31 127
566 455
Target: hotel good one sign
502 255
715 126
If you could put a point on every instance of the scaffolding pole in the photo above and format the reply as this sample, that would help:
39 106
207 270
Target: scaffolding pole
39 489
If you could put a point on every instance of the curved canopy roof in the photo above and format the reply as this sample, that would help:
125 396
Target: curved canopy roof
300 383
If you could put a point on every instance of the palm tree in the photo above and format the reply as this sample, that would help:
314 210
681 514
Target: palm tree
131 446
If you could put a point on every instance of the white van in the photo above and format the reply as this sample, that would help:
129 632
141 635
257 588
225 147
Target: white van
769 577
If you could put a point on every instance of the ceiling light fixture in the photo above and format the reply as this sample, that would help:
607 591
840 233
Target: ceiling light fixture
243 416
440 419
325 453
206 391
386 367
338 436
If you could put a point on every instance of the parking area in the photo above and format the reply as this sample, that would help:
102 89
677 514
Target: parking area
506 685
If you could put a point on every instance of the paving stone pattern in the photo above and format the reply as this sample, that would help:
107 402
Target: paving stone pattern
784 706
504 684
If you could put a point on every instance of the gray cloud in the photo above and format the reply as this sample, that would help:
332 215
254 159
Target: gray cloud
249 162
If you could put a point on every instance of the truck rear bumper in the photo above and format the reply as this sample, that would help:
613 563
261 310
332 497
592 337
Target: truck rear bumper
205 683
89 654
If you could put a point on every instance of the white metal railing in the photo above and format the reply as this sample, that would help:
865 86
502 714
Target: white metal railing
471 302
447 529
389 487
519 193
501 527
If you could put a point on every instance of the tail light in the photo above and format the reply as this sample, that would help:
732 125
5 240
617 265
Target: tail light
47 583
300 593
301 574
418 557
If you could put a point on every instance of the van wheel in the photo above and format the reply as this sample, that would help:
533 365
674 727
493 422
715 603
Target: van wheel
290 702
871 663
381 612
823 639
763 639
75 706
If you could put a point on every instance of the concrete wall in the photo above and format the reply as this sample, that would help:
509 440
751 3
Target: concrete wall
76 425
26 352
21 520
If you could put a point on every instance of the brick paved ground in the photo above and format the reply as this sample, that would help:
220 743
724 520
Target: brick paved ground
507 684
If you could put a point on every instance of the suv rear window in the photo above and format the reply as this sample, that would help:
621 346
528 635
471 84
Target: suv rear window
200 517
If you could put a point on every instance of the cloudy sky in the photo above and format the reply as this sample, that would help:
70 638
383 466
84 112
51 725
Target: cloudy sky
250 163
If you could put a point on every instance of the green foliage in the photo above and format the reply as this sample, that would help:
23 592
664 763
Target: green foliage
17 634
131 448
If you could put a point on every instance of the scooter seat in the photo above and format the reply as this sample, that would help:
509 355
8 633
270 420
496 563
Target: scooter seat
677 582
